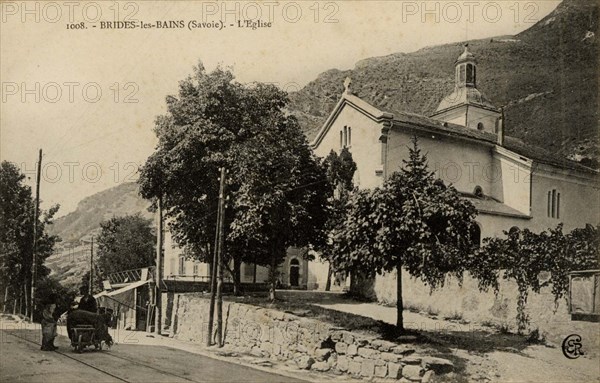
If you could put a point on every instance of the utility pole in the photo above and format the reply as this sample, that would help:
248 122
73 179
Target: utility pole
35 235
91 289
221 259
215 289
159 270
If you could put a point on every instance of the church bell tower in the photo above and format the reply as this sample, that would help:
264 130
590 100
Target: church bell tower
466 105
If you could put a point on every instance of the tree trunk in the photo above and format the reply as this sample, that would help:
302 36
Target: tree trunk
399 303
237 285
26 301
5 299
329 273
273 277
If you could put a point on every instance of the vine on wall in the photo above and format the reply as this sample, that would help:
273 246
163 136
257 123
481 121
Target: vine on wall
523 255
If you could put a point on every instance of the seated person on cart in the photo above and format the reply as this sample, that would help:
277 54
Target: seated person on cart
86 315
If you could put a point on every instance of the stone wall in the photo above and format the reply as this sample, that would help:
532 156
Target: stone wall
467 302
304 343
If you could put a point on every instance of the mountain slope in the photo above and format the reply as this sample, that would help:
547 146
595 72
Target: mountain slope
85 220
546 76
72 257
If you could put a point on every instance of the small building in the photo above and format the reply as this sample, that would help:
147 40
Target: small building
129 296
293 272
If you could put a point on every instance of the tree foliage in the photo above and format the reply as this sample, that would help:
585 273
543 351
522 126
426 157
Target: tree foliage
413 222
277 188
522 255
340 169
125 243
16 234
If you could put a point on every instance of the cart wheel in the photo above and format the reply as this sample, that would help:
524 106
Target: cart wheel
79 347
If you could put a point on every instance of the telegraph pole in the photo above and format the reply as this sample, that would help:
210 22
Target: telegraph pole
220 259
35 235
159 269
91 290
214 288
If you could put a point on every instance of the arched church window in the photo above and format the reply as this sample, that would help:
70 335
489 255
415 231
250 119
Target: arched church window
480 126
462 74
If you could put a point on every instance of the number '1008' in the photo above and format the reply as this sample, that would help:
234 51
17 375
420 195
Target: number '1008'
80 25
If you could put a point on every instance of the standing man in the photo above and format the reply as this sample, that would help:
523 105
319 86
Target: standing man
49 324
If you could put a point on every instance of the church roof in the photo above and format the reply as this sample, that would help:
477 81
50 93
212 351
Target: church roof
511 143
423 123
489 205
465 96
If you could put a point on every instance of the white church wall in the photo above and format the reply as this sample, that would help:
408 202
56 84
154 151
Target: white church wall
579 199
511 182
365 146
493 225
460 163
487 118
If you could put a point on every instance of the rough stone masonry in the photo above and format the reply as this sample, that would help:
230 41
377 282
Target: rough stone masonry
306 343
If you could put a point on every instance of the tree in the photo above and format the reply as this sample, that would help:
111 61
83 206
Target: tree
340 171
16 237
125 243
282 199
276 187
414 222
522 255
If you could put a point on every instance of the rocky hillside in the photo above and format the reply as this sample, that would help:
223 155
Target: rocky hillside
72 258
546 77
85 220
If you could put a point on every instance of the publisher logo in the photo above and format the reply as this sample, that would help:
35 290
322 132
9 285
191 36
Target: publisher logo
571 346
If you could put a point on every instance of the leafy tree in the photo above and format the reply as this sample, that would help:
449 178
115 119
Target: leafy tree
522 255
340 171
16 236
275 185
414 222
125 243
282 198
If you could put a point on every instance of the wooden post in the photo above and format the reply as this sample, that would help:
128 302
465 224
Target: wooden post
220 260
213 272
159 270
91 288
35 235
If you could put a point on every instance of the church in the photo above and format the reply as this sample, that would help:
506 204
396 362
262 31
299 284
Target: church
509 182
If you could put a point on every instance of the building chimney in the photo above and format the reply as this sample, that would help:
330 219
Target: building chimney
500 130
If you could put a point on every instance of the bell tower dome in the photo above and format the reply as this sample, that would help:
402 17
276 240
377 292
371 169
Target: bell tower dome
466 69
466 105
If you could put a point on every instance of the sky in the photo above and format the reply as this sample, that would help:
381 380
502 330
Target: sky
84 89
